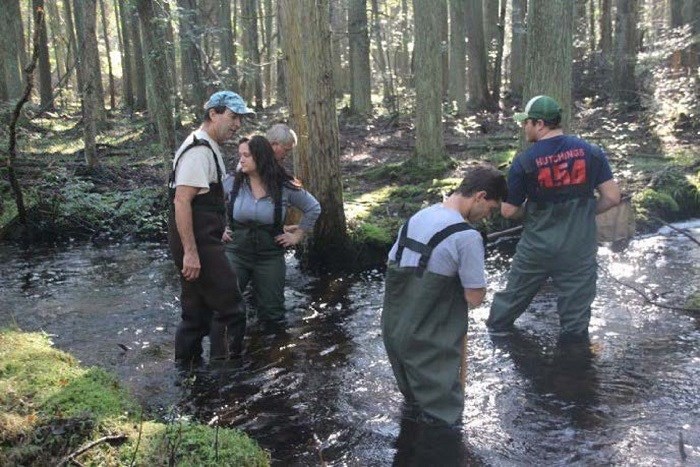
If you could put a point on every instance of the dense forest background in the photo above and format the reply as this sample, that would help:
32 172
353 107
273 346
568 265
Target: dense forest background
390 99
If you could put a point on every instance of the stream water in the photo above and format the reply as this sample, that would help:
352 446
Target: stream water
324 391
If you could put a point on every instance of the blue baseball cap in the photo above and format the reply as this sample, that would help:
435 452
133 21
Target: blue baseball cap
231 101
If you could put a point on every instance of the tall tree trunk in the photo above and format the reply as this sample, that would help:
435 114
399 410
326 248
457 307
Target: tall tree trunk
105 33
444 48
360 80
251 51
428 72
518 48
404 57
93 57
90 63
479 97
193 92
458 55
154 44
269 52
226 47
281 62
380 57
9 50
138 68
498 60
73 49
580 30
605 27
127 73
56 39
625 52
45 88
339 26
489 9
591 25
548 69
306 43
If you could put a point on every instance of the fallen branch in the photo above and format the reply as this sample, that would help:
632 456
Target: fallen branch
92 444
681 231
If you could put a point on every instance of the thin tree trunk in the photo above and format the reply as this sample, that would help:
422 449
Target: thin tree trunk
404 62
251 50
518 48
11 54
45 88
360 79
105 32
56 34
498 61
154 34
282 62
73 49
479 97
591 25
92 57
90 61
226 46
428 72
12 147
458 55
489 10
444 48
625 52
380 58
127 72
138 68
193 92
605 28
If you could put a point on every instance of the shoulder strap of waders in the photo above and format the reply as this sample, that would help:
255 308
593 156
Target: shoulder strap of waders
195 142
426 250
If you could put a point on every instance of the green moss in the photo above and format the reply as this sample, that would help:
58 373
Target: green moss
693 301
413 170
50 405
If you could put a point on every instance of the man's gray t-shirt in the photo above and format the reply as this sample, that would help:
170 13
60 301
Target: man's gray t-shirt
460 254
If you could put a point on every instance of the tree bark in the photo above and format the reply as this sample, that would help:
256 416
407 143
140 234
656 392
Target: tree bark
339 26
306 44
380 58
430 144
193 93
127 60
625 52
458 55
11 69
90 63
282 62
498 60
580 30
479 97
90 55
73 49
105 33
518 48
154 43
45 88
490 11
605 27
138 68
548 68
444 48
251 52
360 80
226 46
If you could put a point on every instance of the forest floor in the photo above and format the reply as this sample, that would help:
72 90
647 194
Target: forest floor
653 151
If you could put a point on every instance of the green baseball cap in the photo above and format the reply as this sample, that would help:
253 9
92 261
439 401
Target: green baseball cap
540 108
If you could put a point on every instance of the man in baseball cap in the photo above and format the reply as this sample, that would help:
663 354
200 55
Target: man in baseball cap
557 176
211 302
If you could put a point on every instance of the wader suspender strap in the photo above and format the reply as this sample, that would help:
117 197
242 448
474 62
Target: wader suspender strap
277 216
426 250
196 142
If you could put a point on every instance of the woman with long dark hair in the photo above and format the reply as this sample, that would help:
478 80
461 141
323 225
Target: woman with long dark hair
262 191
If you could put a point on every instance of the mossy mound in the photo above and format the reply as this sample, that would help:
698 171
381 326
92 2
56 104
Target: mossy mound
671 195
50 406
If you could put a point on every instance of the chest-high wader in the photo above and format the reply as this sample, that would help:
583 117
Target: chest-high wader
211 304
424 320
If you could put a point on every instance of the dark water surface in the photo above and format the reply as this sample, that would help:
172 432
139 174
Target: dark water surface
324 392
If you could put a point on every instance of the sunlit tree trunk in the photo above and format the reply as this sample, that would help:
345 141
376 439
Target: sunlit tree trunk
9 51
458 55
269 50
105 34
625 51
307 48
127 85
428 74
360 81
479 97
490 20
444 47
45 88
281 64
154 44
518 48
548 68
88 20
58 45
91 56
138 68
498 59
580 30
73 49
381 60
403 61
